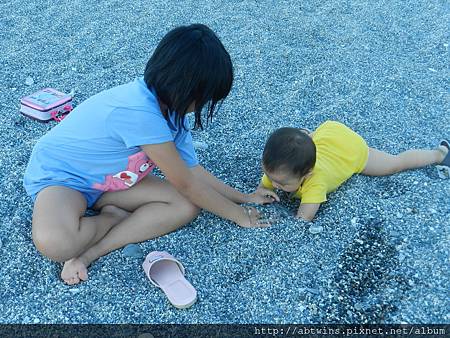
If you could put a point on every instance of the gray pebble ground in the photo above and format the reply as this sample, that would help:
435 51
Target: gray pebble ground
382 67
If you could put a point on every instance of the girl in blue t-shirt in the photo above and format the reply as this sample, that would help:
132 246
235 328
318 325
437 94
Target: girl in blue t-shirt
101 154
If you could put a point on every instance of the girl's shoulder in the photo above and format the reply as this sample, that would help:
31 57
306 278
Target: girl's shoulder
132 94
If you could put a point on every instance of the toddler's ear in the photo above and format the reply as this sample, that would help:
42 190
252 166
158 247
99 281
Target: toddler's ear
309 173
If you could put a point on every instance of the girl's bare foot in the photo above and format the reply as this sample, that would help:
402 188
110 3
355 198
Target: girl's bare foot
74 271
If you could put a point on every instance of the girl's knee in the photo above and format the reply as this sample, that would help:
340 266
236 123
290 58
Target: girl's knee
190 210
54 241
53 249
54 229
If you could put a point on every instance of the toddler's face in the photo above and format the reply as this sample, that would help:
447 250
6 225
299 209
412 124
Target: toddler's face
285 181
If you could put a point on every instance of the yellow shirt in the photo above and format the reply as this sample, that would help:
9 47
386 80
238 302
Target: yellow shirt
340 153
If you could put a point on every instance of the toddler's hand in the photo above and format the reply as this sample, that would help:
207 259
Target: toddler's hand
252 219
263 196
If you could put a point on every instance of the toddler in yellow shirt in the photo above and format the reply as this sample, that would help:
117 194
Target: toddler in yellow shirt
311 165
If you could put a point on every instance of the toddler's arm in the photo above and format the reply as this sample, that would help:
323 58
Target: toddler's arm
307 211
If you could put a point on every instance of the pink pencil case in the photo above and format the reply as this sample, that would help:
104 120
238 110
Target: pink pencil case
46 104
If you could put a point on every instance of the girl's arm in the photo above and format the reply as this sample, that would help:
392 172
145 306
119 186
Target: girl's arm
231 193
166 157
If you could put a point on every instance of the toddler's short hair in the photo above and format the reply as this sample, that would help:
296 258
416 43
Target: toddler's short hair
291 150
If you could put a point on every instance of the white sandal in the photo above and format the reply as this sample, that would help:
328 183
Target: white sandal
167 273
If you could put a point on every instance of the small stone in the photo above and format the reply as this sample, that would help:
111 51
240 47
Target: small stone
354 220
358 306
133 250
313 291
399 215
145 335
74 69
433 211
395 233
432 70
36 320
29 81
313 308
199 145
74 290
315 229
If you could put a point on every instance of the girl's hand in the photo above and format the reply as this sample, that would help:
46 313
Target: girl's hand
263 196
253 219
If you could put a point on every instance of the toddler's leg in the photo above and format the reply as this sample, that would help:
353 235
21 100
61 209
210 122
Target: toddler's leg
381 163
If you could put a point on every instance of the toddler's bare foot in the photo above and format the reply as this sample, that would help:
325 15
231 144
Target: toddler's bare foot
74 271
443 152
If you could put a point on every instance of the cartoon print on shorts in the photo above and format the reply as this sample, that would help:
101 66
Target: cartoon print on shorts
139 165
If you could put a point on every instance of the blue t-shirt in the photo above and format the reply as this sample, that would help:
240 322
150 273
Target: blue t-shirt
97 146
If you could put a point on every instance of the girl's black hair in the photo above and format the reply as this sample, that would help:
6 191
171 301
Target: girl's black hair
289 149
190 64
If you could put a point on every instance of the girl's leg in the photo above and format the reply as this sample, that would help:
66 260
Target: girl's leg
380 163
156 207
59 229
